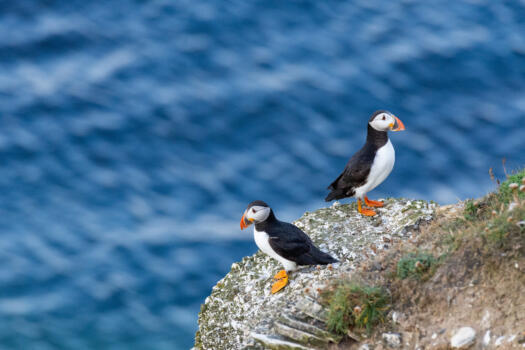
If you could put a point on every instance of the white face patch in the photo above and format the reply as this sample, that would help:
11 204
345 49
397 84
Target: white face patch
383 122
258 213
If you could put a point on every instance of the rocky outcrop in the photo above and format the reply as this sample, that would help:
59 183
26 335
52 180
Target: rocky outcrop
242 313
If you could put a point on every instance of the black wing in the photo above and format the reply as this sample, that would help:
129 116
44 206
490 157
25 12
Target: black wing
292 243
289 241
355 174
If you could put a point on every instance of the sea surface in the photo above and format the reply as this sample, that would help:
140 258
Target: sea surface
134 133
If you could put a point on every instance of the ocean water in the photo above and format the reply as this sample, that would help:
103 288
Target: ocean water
134 133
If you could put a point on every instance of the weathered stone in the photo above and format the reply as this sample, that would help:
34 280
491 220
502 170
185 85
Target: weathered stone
393 340
298 335
312 308
463 338
242 313
270 342
397 316
486 338
310 328
499 340
353 335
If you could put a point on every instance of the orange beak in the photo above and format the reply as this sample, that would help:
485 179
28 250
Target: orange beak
398 125
245 222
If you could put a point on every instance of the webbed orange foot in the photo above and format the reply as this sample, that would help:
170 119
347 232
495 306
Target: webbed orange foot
364 211
280 274
371 203
368 212
282 281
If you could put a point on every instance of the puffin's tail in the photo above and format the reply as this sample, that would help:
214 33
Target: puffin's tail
335 194
316 257
326 259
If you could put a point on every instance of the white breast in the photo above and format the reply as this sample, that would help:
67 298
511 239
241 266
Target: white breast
381 168
261 239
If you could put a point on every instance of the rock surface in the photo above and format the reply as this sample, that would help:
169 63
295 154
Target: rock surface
463 338
392 340
242 313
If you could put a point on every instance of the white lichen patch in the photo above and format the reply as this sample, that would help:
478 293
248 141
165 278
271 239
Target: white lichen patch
241 304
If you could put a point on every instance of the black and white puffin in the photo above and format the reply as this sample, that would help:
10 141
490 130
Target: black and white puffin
371 165
282 241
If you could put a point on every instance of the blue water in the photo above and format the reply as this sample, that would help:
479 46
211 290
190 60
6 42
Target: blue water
133 134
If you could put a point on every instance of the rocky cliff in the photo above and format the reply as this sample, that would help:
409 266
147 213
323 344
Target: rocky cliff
242 313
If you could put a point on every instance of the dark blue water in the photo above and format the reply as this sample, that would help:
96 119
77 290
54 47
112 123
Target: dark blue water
133 134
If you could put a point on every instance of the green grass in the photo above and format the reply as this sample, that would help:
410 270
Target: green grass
505 194
496 222
503 230
355 306
416 265
471 210
490 218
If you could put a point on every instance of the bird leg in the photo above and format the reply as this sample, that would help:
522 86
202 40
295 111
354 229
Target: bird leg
281 281
372 203
364 211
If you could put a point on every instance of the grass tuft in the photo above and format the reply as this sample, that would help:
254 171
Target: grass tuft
355 306
471 210
507 228
505 193
498 218
416 265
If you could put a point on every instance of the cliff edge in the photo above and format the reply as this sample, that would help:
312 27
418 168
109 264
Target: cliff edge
417 276
242 313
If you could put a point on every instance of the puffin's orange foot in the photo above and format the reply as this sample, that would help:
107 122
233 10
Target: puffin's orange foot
280 274
364 211
368 212
371 203
281 282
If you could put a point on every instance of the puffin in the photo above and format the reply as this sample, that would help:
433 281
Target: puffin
282 241
370 166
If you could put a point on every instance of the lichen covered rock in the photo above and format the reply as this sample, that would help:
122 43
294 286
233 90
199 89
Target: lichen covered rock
242 313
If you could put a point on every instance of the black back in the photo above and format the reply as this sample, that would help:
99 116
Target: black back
358 167
292 243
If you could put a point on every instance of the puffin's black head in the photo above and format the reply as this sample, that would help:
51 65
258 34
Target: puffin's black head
257 211
384 121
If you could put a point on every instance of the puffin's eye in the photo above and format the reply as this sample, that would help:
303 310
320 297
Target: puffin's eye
253 211
384 118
